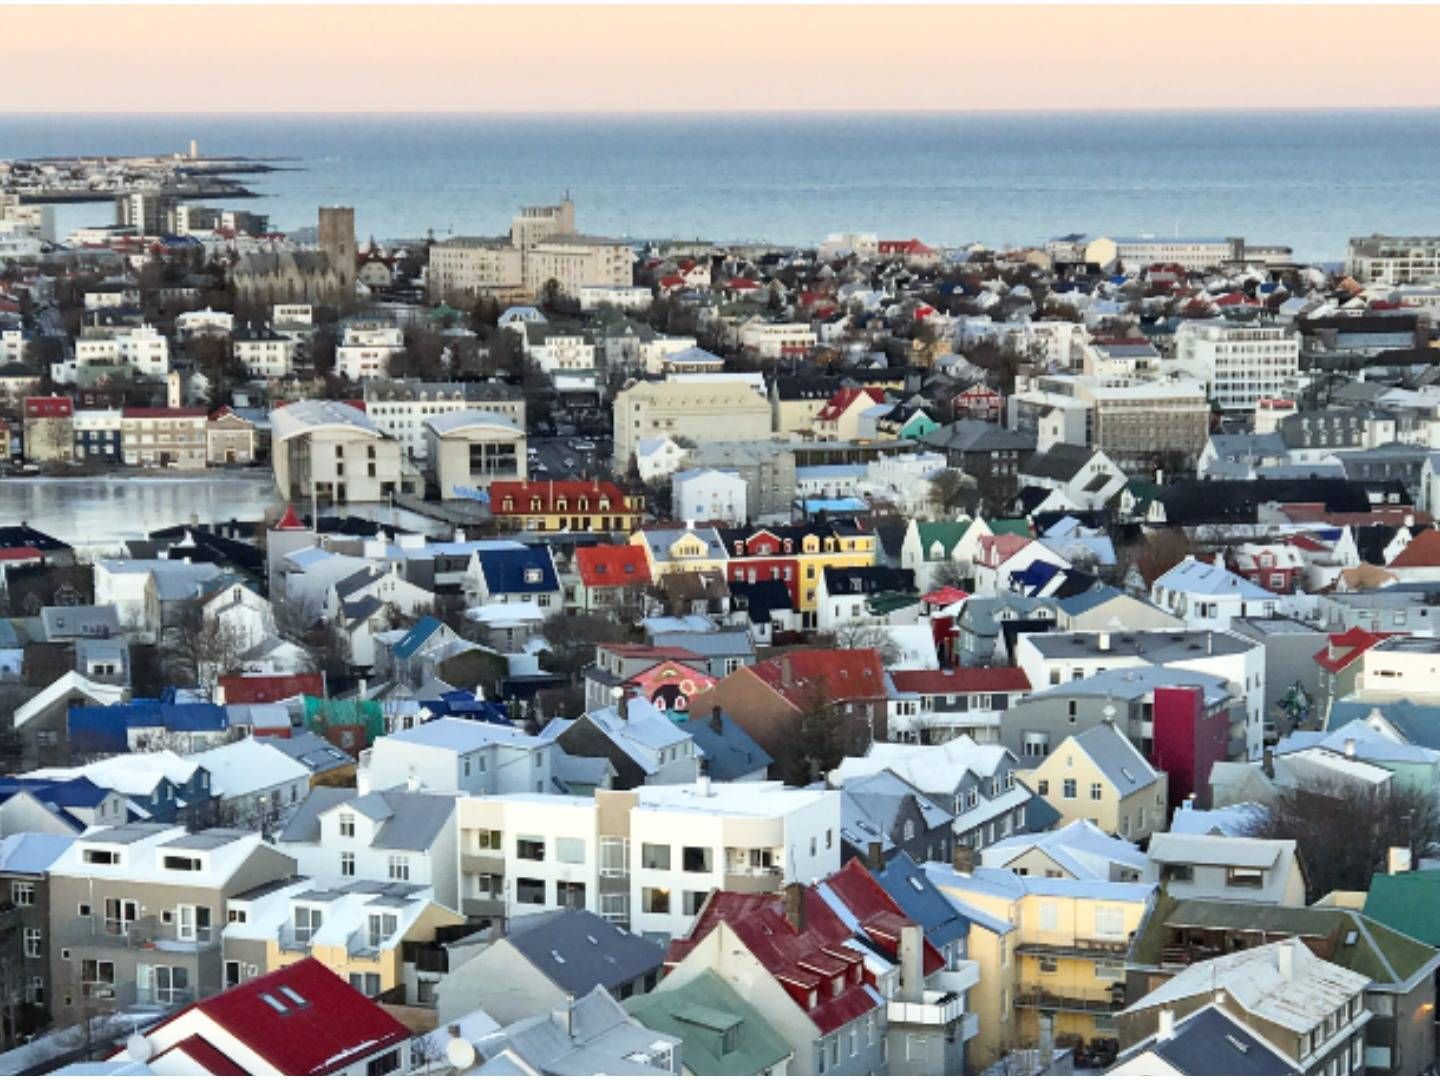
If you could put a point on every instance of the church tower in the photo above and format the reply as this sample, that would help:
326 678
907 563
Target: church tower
337 239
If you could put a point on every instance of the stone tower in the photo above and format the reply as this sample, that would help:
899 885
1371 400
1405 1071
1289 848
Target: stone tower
337 239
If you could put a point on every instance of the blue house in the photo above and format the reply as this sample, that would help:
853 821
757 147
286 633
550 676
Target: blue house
41 804
513 572
146 724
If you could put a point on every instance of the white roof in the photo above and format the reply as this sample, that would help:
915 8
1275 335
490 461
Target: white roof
930 768
304 417
766 798
1085 851
240 768
128 774
461 736
462 419
1189 849
71 681
222 853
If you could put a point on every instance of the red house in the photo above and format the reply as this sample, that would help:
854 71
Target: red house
1188 740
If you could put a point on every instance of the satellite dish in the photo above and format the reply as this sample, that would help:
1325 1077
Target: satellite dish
137 1047
460 1053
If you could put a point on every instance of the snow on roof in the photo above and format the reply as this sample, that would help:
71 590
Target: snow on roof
248 766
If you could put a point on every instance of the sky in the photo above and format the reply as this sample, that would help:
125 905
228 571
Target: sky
392 58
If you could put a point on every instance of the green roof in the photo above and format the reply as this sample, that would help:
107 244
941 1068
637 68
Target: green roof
1409 903
885 603
698 1013
1012 526
1376 950
948 533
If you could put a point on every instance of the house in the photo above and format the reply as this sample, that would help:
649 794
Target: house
721 1033
636 737
136 913
302 1020
766 698
327 764
546 959
1246 869
1066 952
657 456
881 815
448 754
935 705
975 783
1082 477
790 956
612 577
715 495
509 572
378 936
935 548
839 419
255 785
1098 776
1081 851
548 506
25 861
864 595
1207 595
1399 1039
43 720
1312 1012
336 835
160 786
989 453
727 752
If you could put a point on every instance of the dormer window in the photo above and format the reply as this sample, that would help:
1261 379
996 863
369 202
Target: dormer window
189 863
533 576
101 857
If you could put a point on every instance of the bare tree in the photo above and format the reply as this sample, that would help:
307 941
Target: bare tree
1161 550
856 634
951 490
202 648
1344 831
812 743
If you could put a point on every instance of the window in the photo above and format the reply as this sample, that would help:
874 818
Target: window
697 860
381 927
529 890
192 923
1109 973
909 831
1109 921
347 864
98 978
1069 789
307 921
1096 793
654 856
181 862
399 868
530 848
119 914
22 893
32 943
614 856
570 895
569 849
1244 877
1049 915
347 824
168 985
615 907
101 857
1042 787
1049 965
655 901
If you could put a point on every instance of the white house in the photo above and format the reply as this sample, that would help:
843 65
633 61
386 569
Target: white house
451 755
1208 596
657 456
708 495
365 350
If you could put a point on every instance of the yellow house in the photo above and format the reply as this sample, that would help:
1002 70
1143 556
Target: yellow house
677 550
1098 776
358 931
1070 939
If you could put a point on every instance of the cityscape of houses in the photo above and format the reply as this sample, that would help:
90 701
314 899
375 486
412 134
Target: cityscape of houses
686 658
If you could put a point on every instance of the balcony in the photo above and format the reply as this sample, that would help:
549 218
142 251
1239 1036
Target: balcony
937 1009
753 879
963 978
1071 999
1078 948
483 907
143 933
482 862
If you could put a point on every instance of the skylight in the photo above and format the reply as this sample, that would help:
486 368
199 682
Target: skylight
558 958
915 884
275 1003
293 996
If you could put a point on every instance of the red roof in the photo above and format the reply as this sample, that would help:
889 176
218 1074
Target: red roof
549 492
263 689
945 596
204 1054
843 399
805 962
20 554
842 674
961 681
1342 650
741 284
671 281
878 915
290 519
39 407
904 247
612 565
330 1027
996 549
147 413
1423 550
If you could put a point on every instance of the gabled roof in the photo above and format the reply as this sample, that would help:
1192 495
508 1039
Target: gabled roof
728 753
612 565
1342 650
1209 1042
302 1020
707 1003
1191 575
1422 551
578 950
1115 756
841 674
916 895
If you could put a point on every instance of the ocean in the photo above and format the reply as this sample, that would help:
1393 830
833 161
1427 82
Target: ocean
1307 179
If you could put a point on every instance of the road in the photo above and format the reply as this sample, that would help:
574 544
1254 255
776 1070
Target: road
554 451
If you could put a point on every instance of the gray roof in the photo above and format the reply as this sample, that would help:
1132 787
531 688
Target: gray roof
976 436
304 825
578 951
415 819
1210 1043
1063 461
310 750
1137 683
1117 758
719 643
870 808
1156 646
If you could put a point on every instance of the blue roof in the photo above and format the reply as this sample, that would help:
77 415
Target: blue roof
1087 601
916 895
505 569
75 792
465 705
729 752
1035 575
31 853
104 728
417 636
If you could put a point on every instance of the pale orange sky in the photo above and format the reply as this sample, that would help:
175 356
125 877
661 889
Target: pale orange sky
602 59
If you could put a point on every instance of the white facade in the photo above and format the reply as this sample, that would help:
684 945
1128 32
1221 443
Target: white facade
460 756
268 356
1394 260
1240 365
365 350
143 349
773 340
625 297
708 495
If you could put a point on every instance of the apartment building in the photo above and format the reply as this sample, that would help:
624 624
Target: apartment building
1191 252
773 340
644 859
1240 365
469 449
702 410
332 451
401 409
136 913
573 260
265 353
142 350
365 350
565 505
1393 260
465 268
166 437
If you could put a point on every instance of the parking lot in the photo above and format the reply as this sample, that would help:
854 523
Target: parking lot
561 457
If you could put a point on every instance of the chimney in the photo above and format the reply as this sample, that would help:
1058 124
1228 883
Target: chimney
795 905
702 786
622 705
1349 748
1210 642
1267 762
1285 959
1104 641
874 858
716 724
1397 861
912 963
1165 1025
564 1016
962 859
